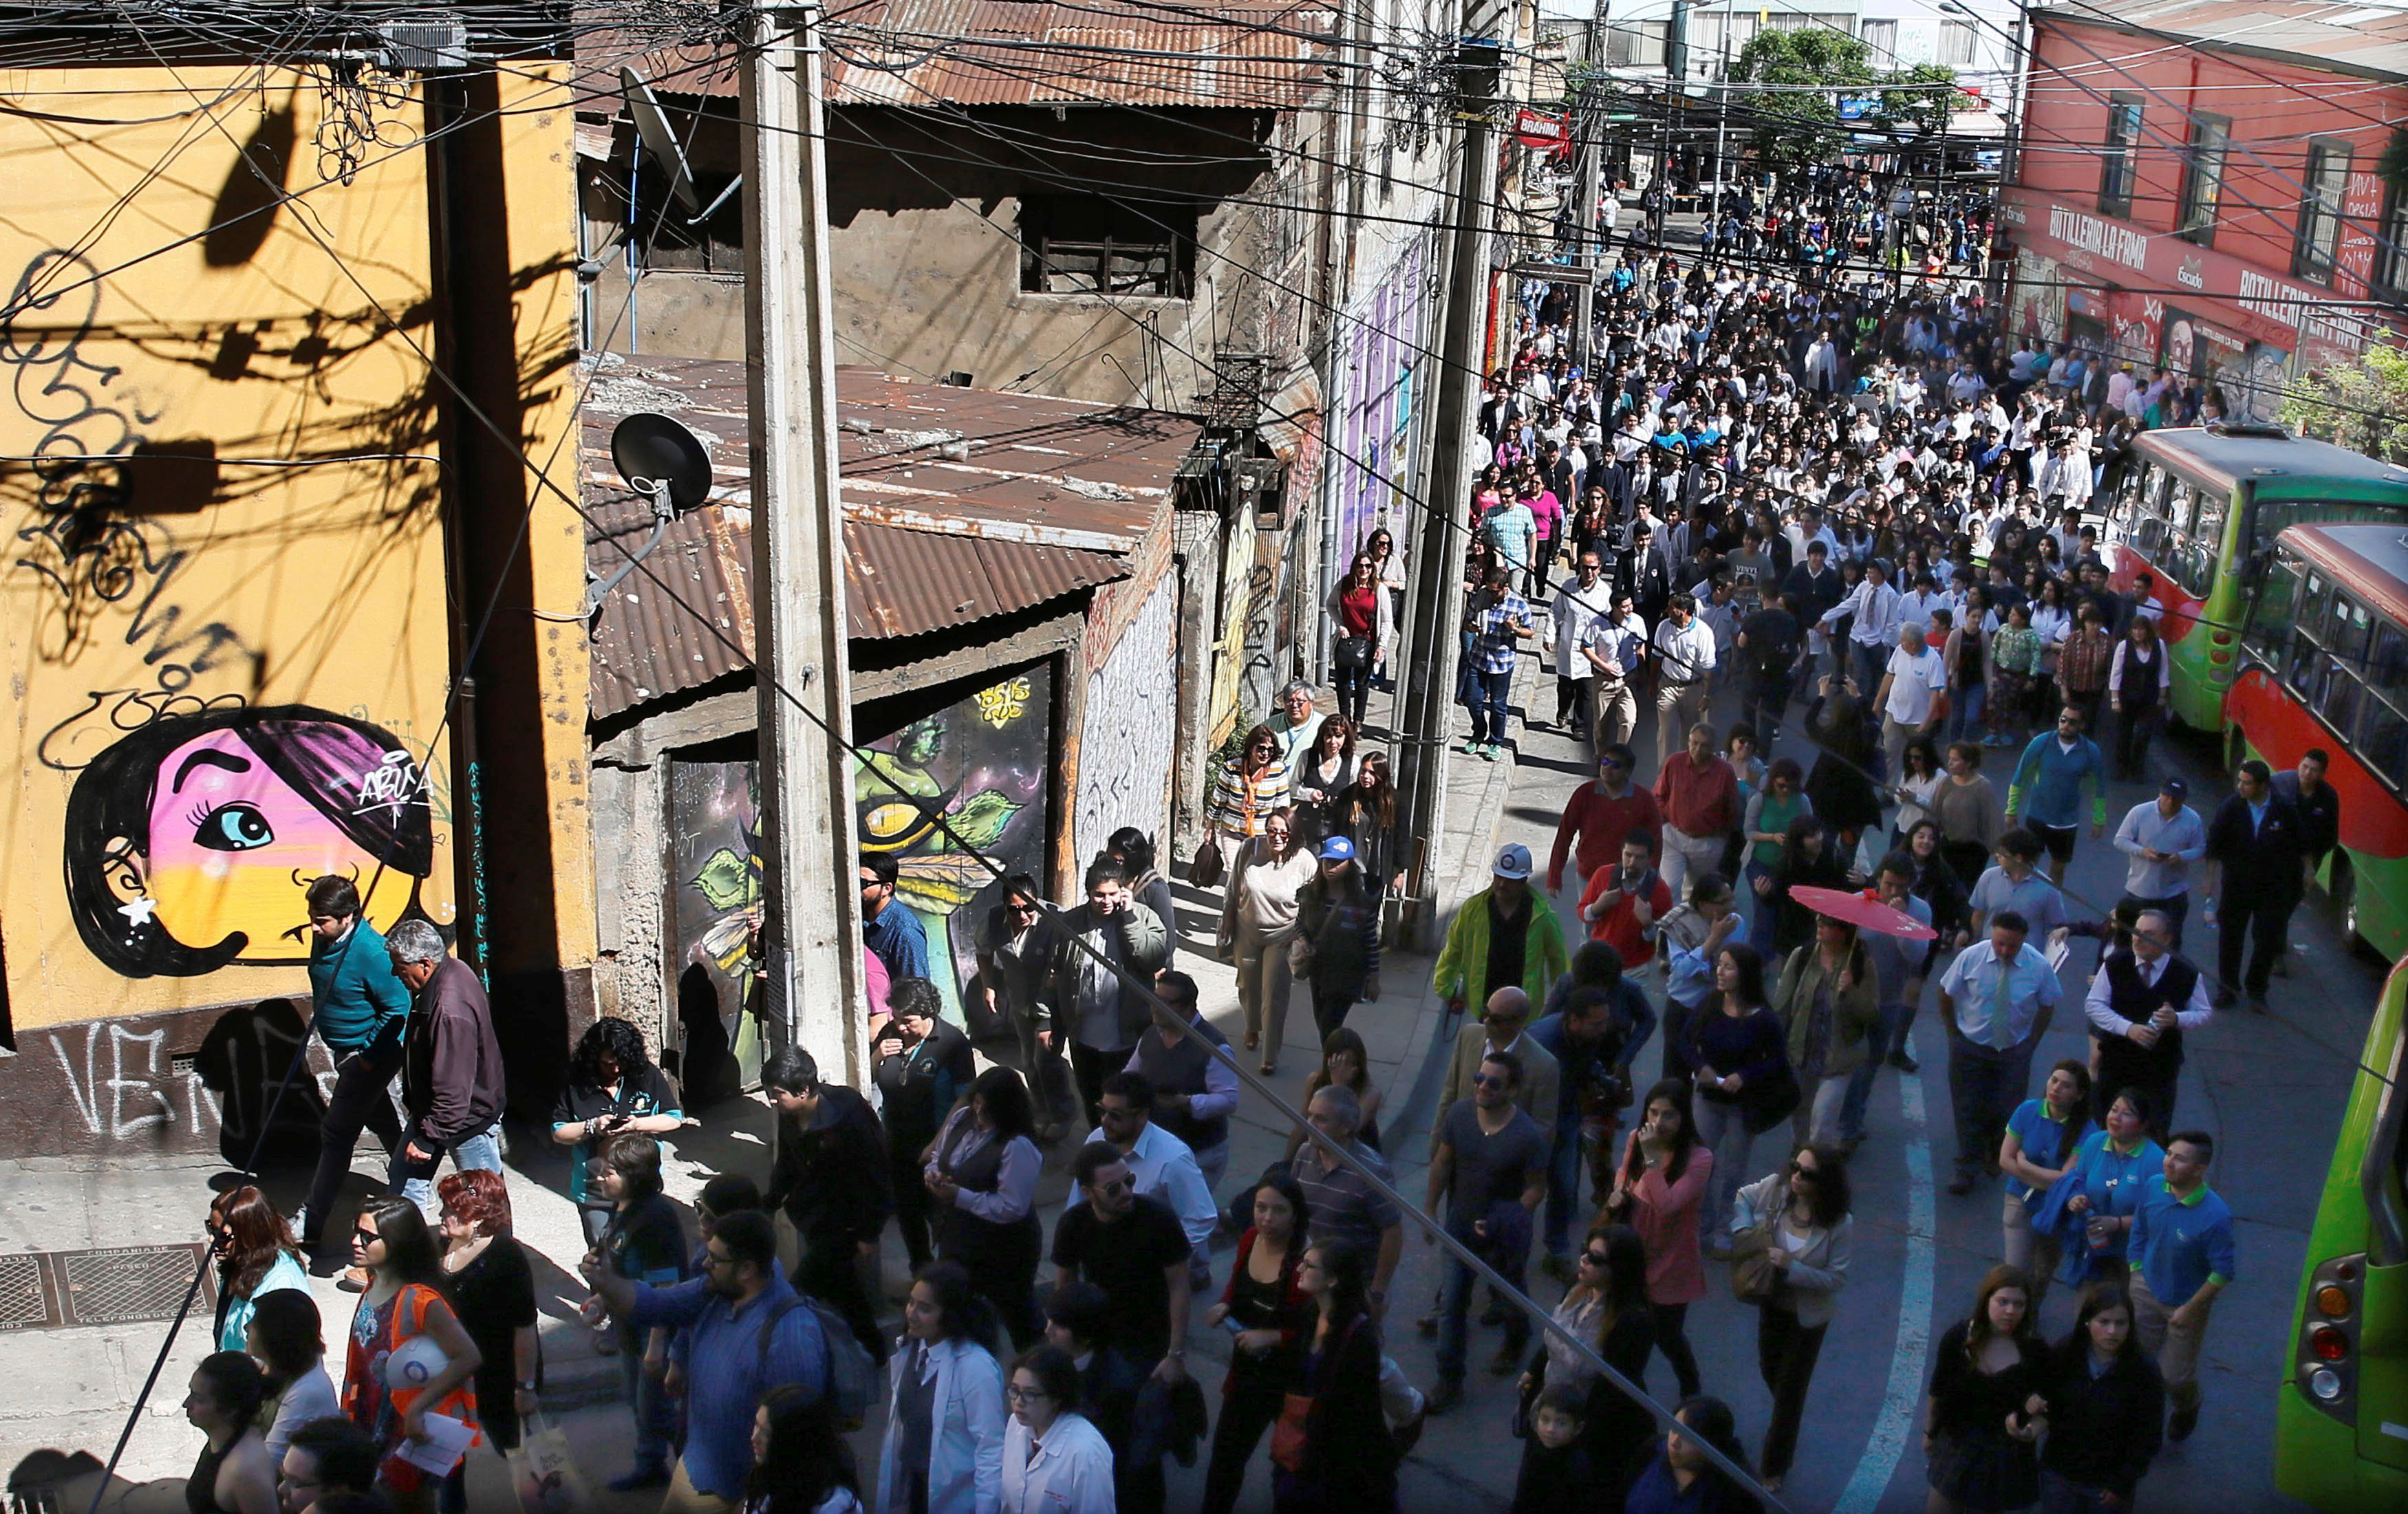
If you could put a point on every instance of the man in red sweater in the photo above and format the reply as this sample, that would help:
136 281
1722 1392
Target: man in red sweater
1623 903
1599 815
1700 796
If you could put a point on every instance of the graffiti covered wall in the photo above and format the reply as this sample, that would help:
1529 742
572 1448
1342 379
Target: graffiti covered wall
224 582
1129 727
715 880
983 763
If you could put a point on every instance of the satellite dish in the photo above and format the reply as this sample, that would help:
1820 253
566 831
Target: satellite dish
660 457
652 125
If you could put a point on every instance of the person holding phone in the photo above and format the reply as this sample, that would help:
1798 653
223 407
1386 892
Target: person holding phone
613 1090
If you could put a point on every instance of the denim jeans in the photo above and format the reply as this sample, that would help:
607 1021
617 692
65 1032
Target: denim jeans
1965 711
655 1416
1563 1190
2059 1496
1721 1129
415 1181
1489 717
1506 1247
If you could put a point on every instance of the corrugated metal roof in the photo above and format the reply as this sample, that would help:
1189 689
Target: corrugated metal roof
2367 41
1042 498
1249 54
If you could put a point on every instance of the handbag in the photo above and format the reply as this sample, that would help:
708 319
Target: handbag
1287 1436
1354 652
1301 953
1754 1279
1769 1103
1205 870
544 1471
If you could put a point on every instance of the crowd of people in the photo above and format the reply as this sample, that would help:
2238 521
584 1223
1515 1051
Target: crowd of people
1740 492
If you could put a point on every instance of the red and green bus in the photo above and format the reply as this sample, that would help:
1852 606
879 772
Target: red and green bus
2324 664
2340 1416
2200 511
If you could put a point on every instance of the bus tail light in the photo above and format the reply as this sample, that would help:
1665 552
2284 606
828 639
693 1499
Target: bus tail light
2324 1362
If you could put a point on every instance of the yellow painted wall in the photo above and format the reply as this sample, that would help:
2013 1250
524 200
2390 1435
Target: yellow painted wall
225 682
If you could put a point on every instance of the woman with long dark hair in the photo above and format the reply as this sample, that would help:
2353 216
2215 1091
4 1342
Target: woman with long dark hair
800 1462
1366 814
1680 1480
1801 1217
2105 1405
1321 773
1779 805
981 1178
1267 1316
1741 1054
1808 860
1607 1308
1980 1440
287 1340
233 1474
1338 932
943 1449
1830 1006
403 1310
613 1090
1335 1450
492 1290
2042 1139
1362 630
1659 1191
2140 676
256 1256
1146 885
1346 1063
1971 817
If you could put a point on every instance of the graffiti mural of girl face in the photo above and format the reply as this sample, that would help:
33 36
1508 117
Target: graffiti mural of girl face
189 842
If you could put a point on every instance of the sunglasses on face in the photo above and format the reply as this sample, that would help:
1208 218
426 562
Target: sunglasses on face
1488 1080
1802 1170
1595 1259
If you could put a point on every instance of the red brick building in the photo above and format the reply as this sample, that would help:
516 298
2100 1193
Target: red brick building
2198 187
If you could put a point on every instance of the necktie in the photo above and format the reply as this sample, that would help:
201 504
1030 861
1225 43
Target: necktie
1999 1002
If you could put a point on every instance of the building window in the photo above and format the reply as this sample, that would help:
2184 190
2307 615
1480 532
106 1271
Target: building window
2391 252
1085 244
1880 38
2202 186
2116 160
1635 44
1956 40
2312 254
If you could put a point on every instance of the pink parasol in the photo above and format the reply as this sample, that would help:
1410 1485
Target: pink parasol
1866 914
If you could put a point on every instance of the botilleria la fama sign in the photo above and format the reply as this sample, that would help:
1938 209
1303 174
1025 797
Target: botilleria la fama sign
2259 305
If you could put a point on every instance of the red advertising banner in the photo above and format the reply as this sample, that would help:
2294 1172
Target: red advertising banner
1537 129
2154 268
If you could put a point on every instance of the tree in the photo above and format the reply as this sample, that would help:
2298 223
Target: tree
1918 99
1796 127
2361 404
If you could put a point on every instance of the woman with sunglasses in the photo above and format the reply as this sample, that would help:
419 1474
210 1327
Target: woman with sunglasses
409 1357
256 1256
1803 1216
1607 1308
1248 790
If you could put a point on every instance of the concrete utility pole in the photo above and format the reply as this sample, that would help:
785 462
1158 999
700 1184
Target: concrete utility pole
1435 609
811 909
1591 116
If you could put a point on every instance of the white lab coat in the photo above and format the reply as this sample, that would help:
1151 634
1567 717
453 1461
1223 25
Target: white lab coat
1072 1473
966 1445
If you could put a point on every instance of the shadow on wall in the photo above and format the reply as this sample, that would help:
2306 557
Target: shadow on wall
245 212
706 1070
242 1062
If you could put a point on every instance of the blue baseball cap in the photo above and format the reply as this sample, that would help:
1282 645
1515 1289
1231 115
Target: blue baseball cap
1337 849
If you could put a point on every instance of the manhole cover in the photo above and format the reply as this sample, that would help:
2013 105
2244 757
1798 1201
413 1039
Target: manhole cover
24 1302
127 1284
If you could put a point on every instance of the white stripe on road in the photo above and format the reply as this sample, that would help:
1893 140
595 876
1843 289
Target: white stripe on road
1895 1424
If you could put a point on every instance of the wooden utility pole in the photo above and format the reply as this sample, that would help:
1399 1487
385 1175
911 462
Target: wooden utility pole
1435 608
810 924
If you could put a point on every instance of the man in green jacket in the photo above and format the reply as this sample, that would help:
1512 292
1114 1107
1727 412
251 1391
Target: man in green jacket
358 1009
1504 937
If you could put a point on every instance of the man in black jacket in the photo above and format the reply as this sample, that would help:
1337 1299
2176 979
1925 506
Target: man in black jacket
832 1181
452 1086
2319 805
2256 848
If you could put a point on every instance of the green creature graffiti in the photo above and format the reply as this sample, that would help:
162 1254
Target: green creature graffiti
980 764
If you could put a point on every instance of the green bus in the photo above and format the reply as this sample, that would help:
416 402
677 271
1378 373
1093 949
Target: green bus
2199 510
2323 667
2340 1417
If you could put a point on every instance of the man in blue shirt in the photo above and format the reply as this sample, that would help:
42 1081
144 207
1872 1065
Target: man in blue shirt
2165 838
751 1333
1997 999
1593 1038
890 928
2014 881
2182 1256
1493 627
2045 793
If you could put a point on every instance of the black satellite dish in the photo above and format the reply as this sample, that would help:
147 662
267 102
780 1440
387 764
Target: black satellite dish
666 464
656 456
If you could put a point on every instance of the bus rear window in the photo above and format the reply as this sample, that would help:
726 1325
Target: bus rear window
2268 516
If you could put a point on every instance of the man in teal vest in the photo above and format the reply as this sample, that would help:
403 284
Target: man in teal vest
358 1009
